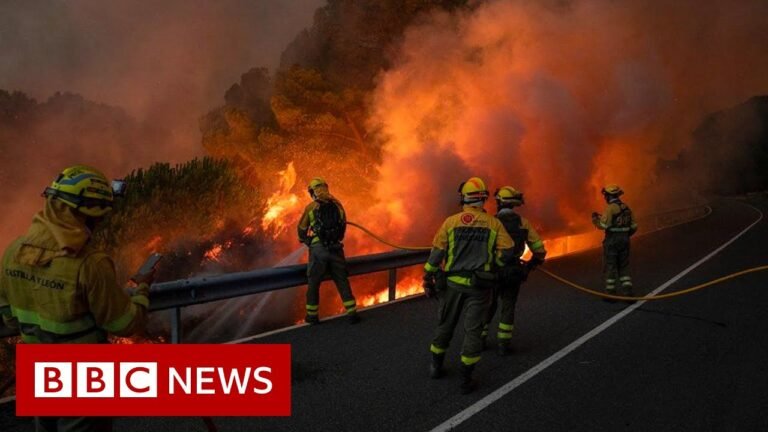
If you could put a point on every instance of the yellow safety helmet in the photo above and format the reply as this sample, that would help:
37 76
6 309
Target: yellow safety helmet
315 183
83 188
508 195
612 189
473 190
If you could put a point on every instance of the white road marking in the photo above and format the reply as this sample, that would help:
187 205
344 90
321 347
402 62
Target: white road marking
483 403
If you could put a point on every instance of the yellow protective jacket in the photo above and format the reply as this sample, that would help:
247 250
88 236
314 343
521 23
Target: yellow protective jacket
56 288
617 217
307 221
523 233
469 241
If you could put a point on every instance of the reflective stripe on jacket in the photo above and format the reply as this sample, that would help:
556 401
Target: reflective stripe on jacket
57 297
617 217
469 241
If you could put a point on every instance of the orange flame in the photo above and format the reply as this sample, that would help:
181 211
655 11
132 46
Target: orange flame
154 244
405 288
214 253
282 205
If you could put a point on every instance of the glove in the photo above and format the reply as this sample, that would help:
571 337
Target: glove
531 265
147 279
429 284
142 289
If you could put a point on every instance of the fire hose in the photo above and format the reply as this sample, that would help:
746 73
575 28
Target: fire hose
581 287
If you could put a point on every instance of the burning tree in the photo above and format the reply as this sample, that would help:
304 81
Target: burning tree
188 212
315 111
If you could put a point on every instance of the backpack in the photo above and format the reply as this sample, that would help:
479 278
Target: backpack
329 225
513 223
623 219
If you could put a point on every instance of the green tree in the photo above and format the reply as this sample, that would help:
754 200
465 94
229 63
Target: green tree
177 208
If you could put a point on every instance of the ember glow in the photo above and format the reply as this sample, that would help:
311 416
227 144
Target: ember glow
214 253
282 207
154 244
405 288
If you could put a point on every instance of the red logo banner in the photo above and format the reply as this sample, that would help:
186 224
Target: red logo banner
153 380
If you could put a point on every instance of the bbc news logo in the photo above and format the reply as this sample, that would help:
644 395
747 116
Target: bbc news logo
54 380
146 380
95 379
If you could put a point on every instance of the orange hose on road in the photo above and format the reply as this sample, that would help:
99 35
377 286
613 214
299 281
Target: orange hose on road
581 287
658 296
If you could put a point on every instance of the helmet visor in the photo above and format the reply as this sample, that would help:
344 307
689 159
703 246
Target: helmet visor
119 187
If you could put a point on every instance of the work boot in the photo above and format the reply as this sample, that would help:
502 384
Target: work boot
311 319
468 385
436 368
353 318
504 349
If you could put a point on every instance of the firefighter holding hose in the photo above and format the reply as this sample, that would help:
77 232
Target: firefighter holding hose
322 228
619 225
57 287
512 276
469 245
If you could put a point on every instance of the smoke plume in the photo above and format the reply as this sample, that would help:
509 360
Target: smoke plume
158 65
558 98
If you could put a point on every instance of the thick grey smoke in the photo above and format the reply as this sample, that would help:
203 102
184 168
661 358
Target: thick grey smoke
558 98
165 63
171 58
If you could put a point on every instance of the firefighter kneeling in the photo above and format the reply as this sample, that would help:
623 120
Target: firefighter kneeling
471 243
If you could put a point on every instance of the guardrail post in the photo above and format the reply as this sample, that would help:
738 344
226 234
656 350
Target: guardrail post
176 325
392 284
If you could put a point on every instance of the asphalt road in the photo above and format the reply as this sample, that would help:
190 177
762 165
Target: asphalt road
693 363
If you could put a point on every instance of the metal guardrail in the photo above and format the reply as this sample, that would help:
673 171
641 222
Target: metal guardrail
177 294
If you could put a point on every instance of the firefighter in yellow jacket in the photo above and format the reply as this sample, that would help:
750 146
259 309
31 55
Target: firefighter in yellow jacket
513 275
471 244
322 228
56 287
619 225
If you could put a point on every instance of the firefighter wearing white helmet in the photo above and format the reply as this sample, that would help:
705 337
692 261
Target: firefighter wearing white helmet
469 246
522 233
322 228
619 225
57 287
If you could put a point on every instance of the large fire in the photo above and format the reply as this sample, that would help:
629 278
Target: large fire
519 94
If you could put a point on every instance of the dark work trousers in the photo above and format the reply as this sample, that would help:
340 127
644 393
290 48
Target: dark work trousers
455 302
507 293
616 261
328 261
